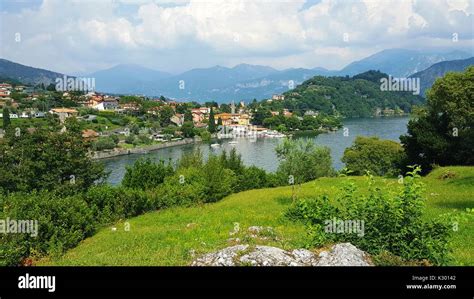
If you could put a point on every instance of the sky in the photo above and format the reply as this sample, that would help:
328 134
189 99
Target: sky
79 37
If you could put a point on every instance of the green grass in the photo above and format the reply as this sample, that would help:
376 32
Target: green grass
167 237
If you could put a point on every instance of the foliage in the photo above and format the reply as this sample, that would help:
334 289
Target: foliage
337 95
392 221
62 223
442 132
188 129
44 158
6 118
379 157
145 174
103 143
212 122
303 160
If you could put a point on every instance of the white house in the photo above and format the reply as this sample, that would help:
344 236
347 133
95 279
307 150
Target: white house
107 104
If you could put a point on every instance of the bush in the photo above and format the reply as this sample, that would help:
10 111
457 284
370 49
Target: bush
62 223
109 204
303 160
219 181
391 222
146 174
252 178
103 144
380 157
186 187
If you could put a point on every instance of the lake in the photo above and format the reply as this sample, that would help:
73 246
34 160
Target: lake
261 152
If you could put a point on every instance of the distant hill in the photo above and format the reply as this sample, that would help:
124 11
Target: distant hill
358 96
127 78
438 70
26 74
400 62
224 84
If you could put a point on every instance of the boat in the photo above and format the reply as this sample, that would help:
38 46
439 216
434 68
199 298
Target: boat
215 145
233 142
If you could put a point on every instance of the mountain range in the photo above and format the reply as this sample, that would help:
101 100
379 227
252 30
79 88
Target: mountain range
241 82
437 70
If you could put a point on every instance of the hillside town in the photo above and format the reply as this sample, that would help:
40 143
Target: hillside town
113 121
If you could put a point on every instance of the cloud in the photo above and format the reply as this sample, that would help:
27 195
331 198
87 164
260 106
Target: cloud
72 36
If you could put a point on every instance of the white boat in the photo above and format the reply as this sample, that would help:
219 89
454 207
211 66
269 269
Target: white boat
233 142
215 145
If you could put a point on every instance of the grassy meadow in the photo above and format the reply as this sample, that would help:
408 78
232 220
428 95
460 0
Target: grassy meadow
175 236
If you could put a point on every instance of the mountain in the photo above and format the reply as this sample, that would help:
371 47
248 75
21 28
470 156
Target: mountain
26 74
265 87
241 82
358 96
126 78
401 62
437 70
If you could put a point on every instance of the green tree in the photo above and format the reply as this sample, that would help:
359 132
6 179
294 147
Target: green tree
301 160
6 118
44 158
188 116
212 122
188 129
380 157
442 133
145 174
165 116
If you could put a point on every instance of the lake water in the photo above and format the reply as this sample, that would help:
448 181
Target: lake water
261 152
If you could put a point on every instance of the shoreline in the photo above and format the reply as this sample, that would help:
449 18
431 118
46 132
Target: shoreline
116 152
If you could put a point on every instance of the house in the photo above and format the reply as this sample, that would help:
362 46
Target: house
107 104
63 113
311 113
20 88
89 135
233 119
5 86
198 116
177 119
287 113
278 97
4 93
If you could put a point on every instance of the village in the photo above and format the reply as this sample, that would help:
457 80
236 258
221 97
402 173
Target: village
111 121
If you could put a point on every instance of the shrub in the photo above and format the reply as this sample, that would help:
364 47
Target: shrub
252 178
109 204
62 223
103 144
219 181
380 157
392 222
186 187
303 160
146 174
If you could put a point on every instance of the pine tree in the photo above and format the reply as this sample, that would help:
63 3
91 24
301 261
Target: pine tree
6 118
212 122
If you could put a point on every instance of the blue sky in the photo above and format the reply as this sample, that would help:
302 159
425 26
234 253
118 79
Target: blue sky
74 36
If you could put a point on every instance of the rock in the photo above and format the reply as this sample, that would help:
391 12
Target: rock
344 254
305 257
224 257
269 256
